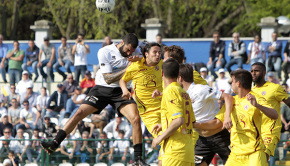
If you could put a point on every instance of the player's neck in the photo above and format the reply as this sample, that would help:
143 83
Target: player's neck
261 83
149 64
168 81
186 85
243 92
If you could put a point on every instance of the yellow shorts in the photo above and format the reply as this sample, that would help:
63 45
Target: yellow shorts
256 159
150 119
270 143
166 161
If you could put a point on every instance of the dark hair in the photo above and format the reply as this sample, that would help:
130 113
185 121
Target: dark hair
185 71
244 77
159 34
36 129
13 99
170 68
31 40
15 41
81 34
63 37
25 101
43 88
12 85
11 152
260 64
175 52
147 48
121 132
7 128
285 84
132 39
216 33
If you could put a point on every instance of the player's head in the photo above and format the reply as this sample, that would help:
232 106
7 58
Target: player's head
170 69
241 79
258 71
185 74
175 52
128 45
152 53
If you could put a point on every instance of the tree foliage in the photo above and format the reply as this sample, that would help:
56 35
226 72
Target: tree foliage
182 18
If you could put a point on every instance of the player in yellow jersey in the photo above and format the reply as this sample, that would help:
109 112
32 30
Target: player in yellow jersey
146 77
177 120
274 94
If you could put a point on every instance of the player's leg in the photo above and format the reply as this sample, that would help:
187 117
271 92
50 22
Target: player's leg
258 159
150 119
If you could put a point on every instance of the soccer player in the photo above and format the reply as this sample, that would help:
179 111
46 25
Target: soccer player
113 60
146 77
247 148
274 94
177 120
205 106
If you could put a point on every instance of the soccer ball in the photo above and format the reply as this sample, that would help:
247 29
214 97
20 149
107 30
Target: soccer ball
105 6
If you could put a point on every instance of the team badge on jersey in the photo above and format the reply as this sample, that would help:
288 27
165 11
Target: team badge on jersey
246 107
183 130
156 68
264 93
113 57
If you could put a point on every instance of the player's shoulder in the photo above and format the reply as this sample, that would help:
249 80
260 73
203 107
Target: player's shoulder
174 88
107 49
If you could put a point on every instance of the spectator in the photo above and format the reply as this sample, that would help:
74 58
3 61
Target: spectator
101 120
216 54
29 95
3 110
15 57
80 51
285 118
13 115
87 83
118 124
7 162
13 95
222 83
159 41
35 145
68 148
4 124
237 52
103 149
75 102
271 78
24 146
70 85
20 88
42 101
286 62
4 62
123 149
203 74
86 148
57 102
6 146
286 87
32 53
274 50
256 51
48 128
49 54
12 158
65 58
29 117
83 126
107 41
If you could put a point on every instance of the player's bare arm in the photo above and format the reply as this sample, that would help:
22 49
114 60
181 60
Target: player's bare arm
270 112
156 93
157 128
175 124
228 105
287 102
126 94
113 77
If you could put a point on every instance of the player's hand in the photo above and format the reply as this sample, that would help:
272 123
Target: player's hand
227 123
156 141
156 93
134 58
156 129
126 95
252 99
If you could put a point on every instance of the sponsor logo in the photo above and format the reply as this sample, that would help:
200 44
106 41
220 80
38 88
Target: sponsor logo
102 64
113 57
92 99
157 68
246 107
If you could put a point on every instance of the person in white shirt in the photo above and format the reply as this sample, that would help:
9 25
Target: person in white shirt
20 88
204 74
222 83
123 149
11 144
256 51
205 106
114 126
103 149
68 148
3 110
29 117
77 99
80 51
24 145
42 101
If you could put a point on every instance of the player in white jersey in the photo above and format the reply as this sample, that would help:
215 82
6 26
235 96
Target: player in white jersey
205 106
113 59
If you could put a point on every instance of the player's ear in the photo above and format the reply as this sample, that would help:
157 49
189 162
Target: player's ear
122 42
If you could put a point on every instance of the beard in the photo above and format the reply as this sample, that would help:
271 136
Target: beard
258 79
122 52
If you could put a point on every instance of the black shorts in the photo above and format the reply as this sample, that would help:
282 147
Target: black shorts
100 96
207 147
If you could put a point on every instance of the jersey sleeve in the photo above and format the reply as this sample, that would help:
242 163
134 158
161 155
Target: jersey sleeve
197 79
128 76
175 105
210 93
221 114
263 102
280 94
104 62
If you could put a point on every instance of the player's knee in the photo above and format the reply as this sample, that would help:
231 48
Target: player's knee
136 120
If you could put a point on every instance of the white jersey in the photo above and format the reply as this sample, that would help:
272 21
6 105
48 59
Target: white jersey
111 61
204 101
